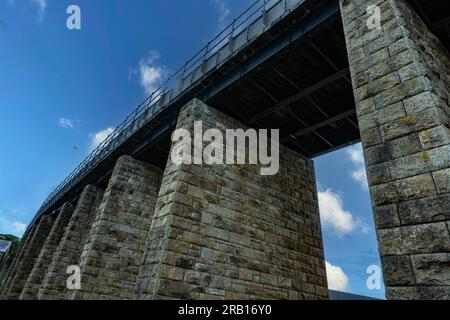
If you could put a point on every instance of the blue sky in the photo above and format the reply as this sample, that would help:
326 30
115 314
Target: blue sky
62 91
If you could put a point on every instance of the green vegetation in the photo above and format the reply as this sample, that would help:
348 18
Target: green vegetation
15 243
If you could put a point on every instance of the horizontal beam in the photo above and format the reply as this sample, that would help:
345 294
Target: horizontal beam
322 124
293 115
304 93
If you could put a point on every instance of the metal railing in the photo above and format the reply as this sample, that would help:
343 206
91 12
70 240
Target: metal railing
168 91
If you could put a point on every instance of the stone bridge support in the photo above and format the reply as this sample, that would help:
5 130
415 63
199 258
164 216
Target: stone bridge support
6 283
71 246
4 269
40 268
111 257
227 232
400 75
31 249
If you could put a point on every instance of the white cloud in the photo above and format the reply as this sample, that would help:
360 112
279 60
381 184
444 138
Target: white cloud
355 153
10 223
99 137
66 123
223 12
19 226
358 174
337 279
151 74
335 218
7 224
42 6
333 215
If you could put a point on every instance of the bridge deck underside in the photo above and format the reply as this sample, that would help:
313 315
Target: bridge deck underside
305 91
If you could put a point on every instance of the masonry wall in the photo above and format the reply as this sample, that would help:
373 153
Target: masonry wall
4 269
111 257
401 81
13 269
31 251
41 265
69 251
226 232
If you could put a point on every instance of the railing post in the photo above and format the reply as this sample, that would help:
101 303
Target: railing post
264 13
162 97
233 27
206 51
205 55
184 70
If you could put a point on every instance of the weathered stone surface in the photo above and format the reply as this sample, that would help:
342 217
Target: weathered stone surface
442 180
226 232
424 210
389 66
4 269
418 293
435 137
404 189
415 239
40 268
387 216
395 94
419 163
365 107
381 116
404 146
377 154
398 271
71 246
420 102
378 173
31 252
416 122
113 252
371 137
17 260
432 269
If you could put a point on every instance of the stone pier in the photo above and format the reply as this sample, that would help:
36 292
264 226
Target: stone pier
71 246
30 253
40 268
227 232
401 80
4 269
111 257
13 268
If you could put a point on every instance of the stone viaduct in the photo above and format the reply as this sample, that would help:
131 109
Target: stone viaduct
141 227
